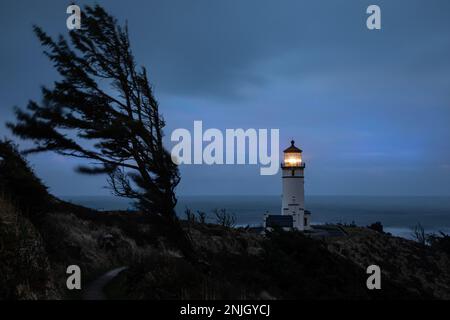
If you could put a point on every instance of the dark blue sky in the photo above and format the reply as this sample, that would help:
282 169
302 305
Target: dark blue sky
370 109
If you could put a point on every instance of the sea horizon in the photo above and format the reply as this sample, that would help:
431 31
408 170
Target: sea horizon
398 214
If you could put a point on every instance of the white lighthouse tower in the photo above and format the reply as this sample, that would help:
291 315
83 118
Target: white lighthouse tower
293 198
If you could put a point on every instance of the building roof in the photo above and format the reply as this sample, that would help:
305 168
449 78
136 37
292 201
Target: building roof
283 221
292 148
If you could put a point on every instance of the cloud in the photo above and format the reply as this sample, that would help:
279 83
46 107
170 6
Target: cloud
310 68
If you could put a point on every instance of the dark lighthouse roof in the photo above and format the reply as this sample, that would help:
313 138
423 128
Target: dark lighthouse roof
292 148
281 221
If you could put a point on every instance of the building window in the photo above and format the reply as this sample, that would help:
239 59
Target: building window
305 221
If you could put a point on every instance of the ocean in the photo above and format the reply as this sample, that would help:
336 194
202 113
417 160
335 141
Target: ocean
397 214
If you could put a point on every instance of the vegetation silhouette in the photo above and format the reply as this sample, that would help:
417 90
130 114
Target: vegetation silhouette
19 183
104 110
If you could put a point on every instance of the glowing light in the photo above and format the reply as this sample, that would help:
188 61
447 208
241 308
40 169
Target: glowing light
293 160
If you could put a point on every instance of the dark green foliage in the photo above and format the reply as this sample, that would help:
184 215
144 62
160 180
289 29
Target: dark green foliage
305 268
348 225
190 216
224 218
165 278
290 266
201 216
377 226
103 110
419 234
440 242
24 267
18 182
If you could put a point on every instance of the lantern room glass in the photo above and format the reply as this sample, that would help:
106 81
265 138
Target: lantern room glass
292 159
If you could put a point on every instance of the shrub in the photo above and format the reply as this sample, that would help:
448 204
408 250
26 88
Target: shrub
419 234
224 218
190 215
440 242
24 266
377 226
18 181
201 216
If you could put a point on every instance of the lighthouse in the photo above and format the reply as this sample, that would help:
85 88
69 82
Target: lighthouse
293 180
293 214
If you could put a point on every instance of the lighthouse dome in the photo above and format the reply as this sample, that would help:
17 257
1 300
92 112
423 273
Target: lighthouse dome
292 148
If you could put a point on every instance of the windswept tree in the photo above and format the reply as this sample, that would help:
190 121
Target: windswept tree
104 110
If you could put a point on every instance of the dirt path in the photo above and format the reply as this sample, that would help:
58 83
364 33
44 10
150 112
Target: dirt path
94 290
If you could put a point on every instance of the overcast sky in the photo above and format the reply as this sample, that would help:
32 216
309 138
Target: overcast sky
370 109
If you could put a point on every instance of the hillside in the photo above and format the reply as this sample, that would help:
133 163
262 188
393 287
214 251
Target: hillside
236 264
422 270
25 271
40 236
232 263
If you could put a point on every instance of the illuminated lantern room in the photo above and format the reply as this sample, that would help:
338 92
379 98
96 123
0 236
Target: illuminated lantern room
292 157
